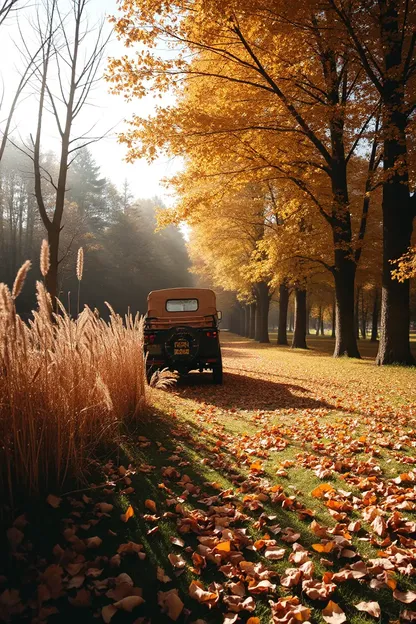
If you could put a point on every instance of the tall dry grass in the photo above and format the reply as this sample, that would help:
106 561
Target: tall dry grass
65 385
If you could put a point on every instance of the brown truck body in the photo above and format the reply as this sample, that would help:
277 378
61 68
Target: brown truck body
181 331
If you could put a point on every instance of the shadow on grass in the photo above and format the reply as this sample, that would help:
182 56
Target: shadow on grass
213 468
248 393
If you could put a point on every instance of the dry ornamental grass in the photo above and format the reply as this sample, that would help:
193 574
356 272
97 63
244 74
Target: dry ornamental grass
65 385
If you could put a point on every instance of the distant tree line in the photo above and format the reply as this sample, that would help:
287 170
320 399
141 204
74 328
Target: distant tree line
124 257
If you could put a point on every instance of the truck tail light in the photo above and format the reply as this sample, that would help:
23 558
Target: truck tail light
149 338
212 334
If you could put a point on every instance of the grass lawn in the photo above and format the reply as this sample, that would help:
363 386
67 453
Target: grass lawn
224 484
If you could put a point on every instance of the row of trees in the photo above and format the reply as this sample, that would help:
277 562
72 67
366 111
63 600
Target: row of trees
124 257
296 123
307 313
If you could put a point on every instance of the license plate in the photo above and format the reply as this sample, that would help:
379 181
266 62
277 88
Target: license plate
181 347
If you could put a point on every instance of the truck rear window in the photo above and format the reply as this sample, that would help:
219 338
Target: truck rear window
182 305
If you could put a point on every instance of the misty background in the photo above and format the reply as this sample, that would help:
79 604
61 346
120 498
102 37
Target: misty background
110 204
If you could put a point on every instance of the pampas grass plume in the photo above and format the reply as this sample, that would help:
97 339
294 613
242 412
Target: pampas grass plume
44 258
20 279
80 263
6 301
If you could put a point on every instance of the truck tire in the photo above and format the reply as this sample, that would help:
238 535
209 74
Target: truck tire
217 374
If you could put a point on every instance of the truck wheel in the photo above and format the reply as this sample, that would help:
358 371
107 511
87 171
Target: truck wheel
217 374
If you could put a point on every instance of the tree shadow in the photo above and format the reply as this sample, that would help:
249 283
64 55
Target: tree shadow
204 463
236 352
248 393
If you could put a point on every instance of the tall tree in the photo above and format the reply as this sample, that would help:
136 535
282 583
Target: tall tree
383 35
228 249
304 121
71 68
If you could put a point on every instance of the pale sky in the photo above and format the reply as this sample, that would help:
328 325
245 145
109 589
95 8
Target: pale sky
105 109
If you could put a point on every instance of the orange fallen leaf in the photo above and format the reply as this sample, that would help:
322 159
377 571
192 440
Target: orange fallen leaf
333 614
149 504
197 591
324 548
223 546
256 466
321 490
129 514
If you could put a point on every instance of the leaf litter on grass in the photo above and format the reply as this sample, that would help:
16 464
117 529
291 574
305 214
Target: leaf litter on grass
219 528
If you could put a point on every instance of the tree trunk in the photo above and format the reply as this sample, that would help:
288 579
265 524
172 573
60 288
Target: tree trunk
357 313
333 319
322 329
299 335
291 320
363 318
394 346
344 263
318 322
398 209
51 279
283 306
246 320
252 332
374 322
242 321
364 326
262 316
345 338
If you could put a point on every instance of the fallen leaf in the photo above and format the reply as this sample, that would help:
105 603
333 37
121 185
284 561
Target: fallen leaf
105 507
129 514
177 560
149 504
129 603
93 542
107 613
407 597
223 546
82 599
197 591
170 603
324 548
53 501
333 614
372 608
321 490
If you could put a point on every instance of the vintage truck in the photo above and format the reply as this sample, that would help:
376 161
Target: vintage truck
181 331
